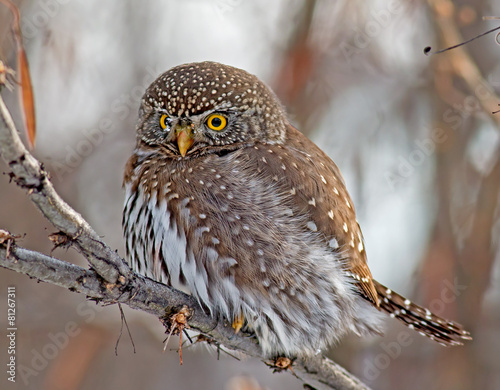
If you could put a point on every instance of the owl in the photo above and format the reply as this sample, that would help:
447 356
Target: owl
227 201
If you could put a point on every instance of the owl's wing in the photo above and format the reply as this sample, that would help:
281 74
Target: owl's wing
319 190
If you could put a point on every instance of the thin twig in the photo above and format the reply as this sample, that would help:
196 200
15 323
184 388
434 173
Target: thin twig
124 322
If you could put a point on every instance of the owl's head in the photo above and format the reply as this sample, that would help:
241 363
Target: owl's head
193 107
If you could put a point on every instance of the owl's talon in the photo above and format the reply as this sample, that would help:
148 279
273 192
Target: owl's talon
238 322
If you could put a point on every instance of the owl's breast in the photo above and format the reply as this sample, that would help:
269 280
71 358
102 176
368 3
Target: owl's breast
223 227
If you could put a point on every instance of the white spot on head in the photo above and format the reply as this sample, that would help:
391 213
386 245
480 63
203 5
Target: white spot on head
312 202
346 229
323 179
330 214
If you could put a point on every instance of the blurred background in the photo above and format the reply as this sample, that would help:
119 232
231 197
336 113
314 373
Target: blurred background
414 136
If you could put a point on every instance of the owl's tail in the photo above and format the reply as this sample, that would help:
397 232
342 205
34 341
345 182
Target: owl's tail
445 332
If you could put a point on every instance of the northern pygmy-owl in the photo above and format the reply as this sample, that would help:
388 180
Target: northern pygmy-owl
227 201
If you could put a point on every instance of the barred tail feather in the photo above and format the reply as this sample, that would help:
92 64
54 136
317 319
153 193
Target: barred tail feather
445 332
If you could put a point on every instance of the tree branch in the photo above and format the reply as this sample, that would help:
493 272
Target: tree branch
28 173
111 280
140 293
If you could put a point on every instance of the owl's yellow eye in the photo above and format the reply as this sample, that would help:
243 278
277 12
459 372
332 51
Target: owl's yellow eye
216 122
163 120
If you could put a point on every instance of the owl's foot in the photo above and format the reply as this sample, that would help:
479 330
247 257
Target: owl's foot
238 322
281 363
177 323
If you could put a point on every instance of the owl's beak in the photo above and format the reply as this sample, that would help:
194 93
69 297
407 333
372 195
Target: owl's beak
185 138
